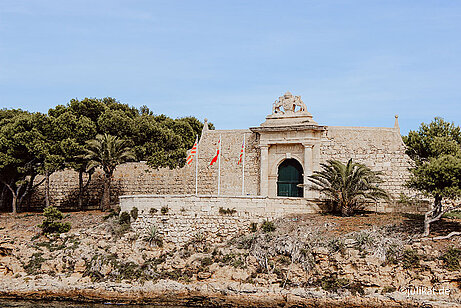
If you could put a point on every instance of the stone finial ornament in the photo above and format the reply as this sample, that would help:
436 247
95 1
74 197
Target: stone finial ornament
289 110
289 103
205 125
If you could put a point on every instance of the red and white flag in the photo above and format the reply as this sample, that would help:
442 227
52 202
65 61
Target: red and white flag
241 152
192 153
215 159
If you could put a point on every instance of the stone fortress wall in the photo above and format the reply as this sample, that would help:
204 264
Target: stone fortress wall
136 178
288 133
380 148
285 134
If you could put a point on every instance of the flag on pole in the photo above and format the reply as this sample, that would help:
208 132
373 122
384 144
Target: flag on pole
215 159
241 152
192 153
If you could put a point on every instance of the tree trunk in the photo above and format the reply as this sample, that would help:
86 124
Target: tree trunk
14 194
47 189
106 192
432 215
3 197
29 188
427 225
15 203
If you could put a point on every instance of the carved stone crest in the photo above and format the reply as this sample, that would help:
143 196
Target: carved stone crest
289 103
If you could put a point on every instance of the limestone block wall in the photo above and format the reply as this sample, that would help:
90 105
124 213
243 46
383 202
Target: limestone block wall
382 149
130 178
231 173
194 216
136 178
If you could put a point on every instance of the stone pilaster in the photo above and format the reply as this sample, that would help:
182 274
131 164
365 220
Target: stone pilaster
308 168
264 171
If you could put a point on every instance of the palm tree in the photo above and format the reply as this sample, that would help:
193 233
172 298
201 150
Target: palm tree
348 186
107 151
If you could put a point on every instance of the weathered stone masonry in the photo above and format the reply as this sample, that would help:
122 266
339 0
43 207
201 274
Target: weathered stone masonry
289 137
286 134
191 216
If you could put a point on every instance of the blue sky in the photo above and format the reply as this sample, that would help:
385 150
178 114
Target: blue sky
355 63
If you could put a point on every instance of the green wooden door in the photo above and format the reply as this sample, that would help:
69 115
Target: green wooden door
290 175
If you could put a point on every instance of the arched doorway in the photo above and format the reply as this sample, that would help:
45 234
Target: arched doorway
290 175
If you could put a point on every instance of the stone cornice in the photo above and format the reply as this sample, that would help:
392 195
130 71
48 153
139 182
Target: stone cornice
301 127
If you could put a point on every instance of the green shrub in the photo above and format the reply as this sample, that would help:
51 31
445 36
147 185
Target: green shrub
410 259
332 283
35 264
452 258
152 211
392 254
153 237
199 237
336 245
356 288
117 210
243 241
362 240
121 230
388 289
198 243
267 226
206 261
52 245
51 224
113 213
134 213
453 215
164 210
125 219
232 259
284 260
224 211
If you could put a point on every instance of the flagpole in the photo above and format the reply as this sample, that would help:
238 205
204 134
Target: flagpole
243 167
196 169
219 166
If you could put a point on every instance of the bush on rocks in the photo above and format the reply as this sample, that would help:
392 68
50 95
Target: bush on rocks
124 219
452 259
51 224
134 213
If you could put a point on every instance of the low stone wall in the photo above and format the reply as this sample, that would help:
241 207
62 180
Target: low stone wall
192 217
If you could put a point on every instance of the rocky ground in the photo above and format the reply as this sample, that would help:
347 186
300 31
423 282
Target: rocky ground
310 260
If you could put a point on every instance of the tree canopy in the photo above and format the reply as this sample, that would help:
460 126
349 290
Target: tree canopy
433 140
436 151
36 143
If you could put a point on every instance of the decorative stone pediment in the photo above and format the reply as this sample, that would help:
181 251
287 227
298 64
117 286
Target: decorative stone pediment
289 103
289 110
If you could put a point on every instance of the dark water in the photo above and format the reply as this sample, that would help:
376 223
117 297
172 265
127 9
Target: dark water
9 303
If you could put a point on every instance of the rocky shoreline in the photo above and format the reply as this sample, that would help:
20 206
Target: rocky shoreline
311 261
171 293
